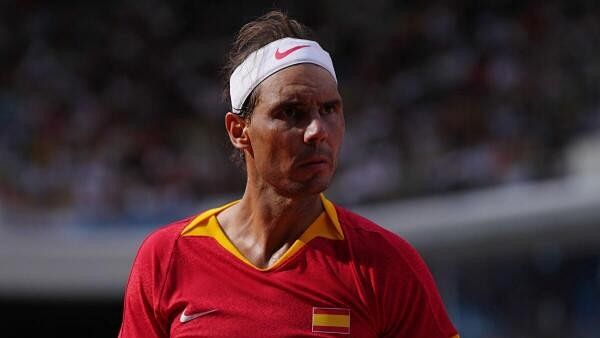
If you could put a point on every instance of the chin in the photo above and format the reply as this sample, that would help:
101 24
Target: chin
313 186
317 189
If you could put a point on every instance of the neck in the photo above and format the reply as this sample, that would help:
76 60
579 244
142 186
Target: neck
264 224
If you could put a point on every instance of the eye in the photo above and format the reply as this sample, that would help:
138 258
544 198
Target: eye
290 112
329 108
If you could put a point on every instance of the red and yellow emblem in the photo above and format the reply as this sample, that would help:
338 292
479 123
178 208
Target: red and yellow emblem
331 320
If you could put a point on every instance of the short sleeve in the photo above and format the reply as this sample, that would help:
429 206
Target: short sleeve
409 301
141 311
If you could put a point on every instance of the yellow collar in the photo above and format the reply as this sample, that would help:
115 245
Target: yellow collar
326 225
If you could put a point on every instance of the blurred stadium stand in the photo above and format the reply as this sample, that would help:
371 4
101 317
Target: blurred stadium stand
473 131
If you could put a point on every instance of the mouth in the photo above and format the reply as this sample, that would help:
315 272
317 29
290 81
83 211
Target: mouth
317 161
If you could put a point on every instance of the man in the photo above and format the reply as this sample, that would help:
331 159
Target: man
283 261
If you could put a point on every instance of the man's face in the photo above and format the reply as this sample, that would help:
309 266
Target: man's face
296 130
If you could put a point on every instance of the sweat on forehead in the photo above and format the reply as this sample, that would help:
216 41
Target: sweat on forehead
270 59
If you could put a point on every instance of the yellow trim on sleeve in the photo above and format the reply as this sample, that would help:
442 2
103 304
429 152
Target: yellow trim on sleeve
326 225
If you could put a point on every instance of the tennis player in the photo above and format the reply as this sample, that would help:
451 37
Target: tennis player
283 261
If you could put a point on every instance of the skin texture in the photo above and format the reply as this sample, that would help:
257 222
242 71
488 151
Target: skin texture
291 145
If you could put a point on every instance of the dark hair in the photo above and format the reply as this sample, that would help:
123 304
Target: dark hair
252 36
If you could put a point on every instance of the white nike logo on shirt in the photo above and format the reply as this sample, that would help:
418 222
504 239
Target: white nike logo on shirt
186 318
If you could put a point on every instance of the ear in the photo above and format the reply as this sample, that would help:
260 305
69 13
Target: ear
237 130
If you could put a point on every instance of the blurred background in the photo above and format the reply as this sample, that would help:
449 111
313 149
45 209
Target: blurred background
473 130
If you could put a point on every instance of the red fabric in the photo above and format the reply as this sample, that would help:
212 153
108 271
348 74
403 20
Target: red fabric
372 272
331 311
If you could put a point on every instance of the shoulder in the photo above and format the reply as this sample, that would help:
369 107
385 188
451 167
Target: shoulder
154 255
164 237
379 246
372 236
147 279
158 246
394 273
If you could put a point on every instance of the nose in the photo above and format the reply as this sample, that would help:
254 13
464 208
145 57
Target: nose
316 131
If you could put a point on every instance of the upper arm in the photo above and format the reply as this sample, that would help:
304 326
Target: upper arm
141 312
410 303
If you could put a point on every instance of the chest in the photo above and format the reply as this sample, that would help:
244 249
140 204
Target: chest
209 293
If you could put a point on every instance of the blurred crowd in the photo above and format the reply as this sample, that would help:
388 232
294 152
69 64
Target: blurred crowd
113 109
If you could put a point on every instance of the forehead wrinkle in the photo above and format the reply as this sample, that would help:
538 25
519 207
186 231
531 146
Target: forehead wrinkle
294 93
303 92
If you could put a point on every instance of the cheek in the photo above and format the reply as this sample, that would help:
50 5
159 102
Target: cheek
338 131
270 146
284 146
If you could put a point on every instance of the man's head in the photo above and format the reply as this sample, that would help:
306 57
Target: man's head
270 27
286 118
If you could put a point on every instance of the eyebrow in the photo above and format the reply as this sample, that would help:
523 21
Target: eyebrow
334 102
288 103
297 101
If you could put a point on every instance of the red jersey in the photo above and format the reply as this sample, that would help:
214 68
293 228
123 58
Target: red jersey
344 276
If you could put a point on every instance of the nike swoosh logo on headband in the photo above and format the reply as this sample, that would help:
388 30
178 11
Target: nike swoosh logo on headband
280 55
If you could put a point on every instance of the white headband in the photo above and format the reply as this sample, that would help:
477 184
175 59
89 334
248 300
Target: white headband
270 59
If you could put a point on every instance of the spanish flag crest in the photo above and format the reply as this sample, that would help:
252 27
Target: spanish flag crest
331 320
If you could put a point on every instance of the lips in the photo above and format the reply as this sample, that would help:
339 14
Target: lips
316 161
